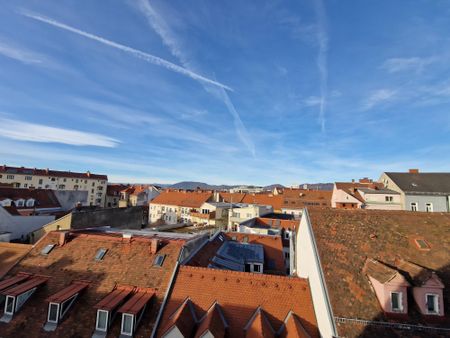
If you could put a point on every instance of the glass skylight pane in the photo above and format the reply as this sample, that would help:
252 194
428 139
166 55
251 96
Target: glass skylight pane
47 249
100 254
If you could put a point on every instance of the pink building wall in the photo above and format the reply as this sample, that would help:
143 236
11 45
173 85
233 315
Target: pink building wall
383 292
433 286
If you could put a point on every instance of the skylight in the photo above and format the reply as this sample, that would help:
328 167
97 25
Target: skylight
100 254
159 260
47 249
422 244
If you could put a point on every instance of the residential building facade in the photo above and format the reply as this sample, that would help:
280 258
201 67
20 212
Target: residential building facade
21 177
424 192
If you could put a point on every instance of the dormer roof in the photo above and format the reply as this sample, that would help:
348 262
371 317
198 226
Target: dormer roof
213 321
380 271
416 274
259 326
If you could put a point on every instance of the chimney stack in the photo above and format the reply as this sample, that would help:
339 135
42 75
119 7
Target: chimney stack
63 237
154 246
126 237
413 171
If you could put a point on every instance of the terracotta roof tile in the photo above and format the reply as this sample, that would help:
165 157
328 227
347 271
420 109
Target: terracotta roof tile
293 328
10 254
184 319
214 321
239 295
182 198
346 238
128 263
259 326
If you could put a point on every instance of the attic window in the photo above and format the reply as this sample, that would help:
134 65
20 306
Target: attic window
159 260
245 239
100 254
422 244
221 237
47 249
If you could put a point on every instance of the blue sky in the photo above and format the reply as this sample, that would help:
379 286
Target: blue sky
255 92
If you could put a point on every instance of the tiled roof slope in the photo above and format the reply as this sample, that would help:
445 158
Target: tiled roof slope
115 189
239 295
124 264
351 188
273 250
44 198
346 238
10 254
437 183
182 198
53 173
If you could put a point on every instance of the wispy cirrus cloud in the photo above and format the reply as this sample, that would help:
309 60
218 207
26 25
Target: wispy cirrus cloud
169 38
25 56
377 97
155 60
415 64
25 131
322 65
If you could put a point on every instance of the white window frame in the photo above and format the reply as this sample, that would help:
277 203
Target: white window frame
252 268
286 235
13 305
436 303
122 324
430 205
57 313
416 206
71 300
97 327
400 301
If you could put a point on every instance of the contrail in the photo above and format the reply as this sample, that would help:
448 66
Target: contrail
322 39
161 27
135 52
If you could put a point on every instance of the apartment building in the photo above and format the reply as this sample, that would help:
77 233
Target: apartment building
176 206
21 177
241 212
426 192
365 194
138 195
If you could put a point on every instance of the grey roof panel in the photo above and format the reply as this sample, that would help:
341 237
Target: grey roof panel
422 183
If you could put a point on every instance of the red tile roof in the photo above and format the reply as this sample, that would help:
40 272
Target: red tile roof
182 198
51 173
29 284
351 188
183 318
346 238
137 301
44 198
293 328
259 326
113 299
10 254
115 189
127 262
240 294
71 290
214 322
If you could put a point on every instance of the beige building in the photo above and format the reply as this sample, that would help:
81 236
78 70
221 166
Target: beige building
21 177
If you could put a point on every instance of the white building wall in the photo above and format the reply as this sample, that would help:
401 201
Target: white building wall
307 265
340 196
20 226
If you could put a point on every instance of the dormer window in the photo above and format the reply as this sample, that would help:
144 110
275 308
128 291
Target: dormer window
61 302
100 254
133 310
30 202
432 303
396 302
20 203
159 260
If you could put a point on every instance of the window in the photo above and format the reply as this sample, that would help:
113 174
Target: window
102 320
20 203
53 179
100 254
28 178
9 305
396 301
205 211
413 206
429 207
65 306
422 244
17 185
286 235
47 249
30 202
286 255
127 324
388 198
25 185
62 186
10 177
159 260
53 310
41 181
432 303
256 268
93 184
64 180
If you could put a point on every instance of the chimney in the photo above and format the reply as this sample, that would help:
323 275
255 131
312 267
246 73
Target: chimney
154 246
353 180
63 237
413 171
126 237
365 180
88 174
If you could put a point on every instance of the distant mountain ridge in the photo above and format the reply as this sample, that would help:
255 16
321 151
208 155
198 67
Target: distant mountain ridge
192 185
